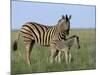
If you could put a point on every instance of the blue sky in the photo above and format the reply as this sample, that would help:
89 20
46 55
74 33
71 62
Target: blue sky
83 16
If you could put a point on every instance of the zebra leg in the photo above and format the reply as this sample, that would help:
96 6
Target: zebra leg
54 53
66 55
56 58
51 57
59 57
69 59
28 46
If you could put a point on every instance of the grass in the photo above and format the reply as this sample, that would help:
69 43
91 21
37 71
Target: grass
83 59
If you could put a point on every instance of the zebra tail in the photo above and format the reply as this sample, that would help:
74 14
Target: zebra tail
77 38
15 44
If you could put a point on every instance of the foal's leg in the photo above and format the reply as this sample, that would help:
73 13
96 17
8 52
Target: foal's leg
53 55
59 57
66 55
69 59
58 54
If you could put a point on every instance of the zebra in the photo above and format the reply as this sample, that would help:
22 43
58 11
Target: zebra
64 46
33 32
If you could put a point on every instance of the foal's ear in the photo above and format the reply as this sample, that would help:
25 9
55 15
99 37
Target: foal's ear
69 17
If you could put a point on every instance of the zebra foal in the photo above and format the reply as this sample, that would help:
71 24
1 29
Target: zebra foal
64 46
33 32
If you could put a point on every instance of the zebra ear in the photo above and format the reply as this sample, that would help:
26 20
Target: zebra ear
69 17
63 16
66 17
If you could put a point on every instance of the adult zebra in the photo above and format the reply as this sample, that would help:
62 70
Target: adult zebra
44 35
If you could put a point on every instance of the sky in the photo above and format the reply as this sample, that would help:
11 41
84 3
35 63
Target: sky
83 16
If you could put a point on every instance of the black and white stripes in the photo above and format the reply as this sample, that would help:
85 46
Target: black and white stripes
42 34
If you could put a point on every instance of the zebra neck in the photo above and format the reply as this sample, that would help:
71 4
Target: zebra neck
62 35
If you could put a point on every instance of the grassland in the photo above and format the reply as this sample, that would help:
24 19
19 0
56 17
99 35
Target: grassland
83 58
